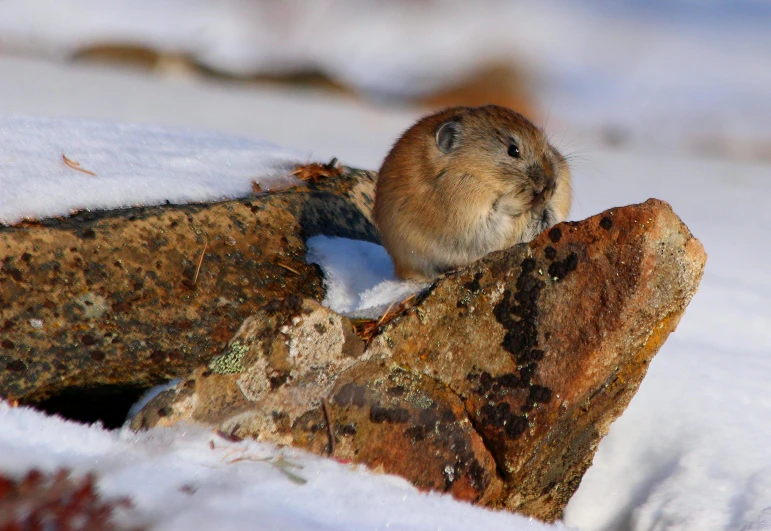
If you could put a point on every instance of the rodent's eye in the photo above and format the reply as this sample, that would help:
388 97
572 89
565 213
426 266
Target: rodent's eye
514 151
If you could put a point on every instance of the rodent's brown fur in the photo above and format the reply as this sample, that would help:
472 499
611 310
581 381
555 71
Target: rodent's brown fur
439 209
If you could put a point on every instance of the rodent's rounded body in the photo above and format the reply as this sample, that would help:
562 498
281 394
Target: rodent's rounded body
464 182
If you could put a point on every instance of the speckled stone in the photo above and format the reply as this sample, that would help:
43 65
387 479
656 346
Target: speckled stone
496 386
116 298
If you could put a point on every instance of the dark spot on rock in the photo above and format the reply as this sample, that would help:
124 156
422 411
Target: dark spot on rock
348 430
572 262
8 324
121 307
396 415
16 365
88 340
206 373
174 224
272 307
378 413
158 356
528 266
26 257
540 394
473 285
320 328
555 234
416 433
516 426
294 302
606 223
88 234
550 252
97 355
510 381
15 273
139 284
477 476
164 412
526 372
486 381
351 393
428 419
279 379
281 420
495 415
447 416
7 343
560 269
500 416
397 390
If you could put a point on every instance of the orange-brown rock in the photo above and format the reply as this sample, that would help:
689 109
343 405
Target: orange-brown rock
496 386
135 297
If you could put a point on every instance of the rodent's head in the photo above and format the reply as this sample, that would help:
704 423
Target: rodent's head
503 150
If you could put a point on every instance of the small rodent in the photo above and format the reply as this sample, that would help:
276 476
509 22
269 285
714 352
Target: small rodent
464 182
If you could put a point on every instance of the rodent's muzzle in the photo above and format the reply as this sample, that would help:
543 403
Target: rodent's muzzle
543 184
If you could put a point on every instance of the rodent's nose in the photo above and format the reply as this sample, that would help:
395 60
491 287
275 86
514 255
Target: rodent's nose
538 177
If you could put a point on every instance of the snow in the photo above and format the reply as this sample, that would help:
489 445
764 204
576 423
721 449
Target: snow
319 126
358 276
188 477
669 75
133 165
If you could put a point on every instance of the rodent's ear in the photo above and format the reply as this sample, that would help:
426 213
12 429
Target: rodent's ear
448 136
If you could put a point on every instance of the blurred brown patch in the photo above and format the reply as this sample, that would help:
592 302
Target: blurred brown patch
499 84
139 57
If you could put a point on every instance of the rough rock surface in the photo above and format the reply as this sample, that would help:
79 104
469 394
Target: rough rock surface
496 385
116 297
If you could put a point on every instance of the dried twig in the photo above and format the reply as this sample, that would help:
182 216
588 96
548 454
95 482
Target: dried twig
280 464
316 171
329 426
382 317
200 261
296 272
76 165
367 328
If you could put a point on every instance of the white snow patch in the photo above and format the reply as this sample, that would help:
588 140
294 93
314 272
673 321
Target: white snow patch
134 165
668 75
189 478
359 276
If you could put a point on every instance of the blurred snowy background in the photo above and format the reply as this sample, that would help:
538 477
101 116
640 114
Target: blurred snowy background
664 76
664 99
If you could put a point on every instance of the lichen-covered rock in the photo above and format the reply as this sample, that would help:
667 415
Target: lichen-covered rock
137 296
276 368
496 386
